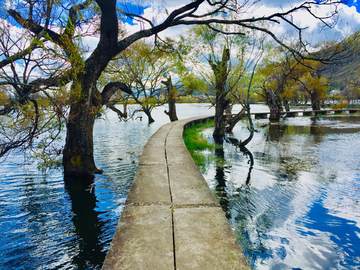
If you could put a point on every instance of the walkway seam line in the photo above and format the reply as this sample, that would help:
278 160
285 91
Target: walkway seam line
171 197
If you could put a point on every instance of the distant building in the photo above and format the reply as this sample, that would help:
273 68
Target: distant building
334 92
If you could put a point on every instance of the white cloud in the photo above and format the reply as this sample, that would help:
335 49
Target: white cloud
314 32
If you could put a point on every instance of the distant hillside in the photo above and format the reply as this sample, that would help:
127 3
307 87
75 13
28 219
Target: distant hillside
348 69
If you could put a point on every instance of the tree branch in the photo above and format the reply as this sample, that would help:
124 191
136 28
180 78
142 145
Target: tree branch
111 88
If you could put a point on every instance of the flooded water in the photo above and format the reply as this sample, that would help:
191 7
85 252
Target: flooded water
298 208
45 224
293 200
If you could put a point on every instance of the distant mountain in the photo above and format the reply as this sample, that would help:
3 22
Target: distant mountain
339 75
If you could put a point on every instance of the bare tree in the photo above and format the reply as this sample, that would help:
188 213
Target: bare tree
45 20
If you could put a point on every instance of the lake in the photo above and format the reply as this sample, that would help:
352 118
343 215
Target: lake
298 206
297 209
47 225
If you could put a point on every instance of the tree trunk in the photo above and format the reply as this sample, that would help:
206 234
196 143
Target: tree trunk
78 156
125 109
234 120
171 93
172 110
315 102
220 70
274 103
275 113
286 105
148 114
219 129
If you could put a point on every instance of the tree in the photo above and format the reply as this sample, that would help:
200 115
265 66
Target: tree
32 114
141 67
284 76
57 26
277 74
310 78
187 82
229 58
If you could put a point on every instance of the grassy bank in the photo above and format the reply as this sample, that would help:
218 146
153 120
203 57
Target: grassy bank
196 142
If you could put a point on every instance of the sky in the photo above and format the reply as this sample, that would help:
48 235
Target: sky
155 10
348 19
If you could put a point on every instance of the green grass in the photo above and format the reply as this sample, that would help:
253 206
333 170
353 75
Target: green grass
196 142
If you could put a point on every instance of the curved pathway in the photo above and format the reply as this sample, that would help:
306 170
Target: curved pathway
171 219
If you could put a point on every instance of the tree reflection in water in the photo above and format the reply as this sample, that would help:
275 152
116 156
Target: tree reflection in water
290 209
220 188
252 245
87 224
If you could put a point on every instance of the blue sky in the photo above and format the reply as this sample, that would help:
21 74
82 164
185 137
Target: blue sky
132 8
352 3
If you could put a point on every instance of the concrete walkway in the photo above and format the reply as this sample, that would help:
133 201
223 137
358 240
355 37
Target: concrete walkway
171 219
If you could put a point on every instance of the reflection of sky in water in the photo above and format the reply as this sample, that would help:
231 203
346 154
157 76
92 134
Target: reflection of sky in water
301 209
45 225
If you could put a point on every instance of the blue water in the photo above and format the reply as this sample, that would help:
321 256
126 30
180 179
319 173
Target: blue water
300 208
45 224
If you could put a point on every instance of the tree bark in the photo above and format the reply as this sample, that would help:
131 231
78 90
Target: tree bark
219 119
274 103
315 101
148 114
172 110
275 113
234 120
286 105
220 70
78 155
171 95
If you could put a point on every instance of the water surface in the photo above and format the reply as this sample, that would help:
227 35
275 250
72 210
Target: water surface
45 224
298 206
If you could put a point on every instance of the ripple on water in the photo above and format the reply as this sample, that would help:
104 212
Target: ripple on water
300 207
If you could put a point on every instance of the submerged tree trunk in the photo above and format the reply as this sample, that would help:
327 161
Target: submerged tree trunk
121 115
78 155
274 103
220 70
275 113
286 105
315 102
219 120
147 111
171 95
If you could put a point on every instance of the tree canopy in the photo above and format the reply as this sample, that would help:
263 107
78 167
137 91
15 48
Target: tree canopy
50 38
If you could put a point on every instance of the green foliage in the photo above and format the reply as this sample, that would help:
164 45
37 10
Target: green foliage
340 105
142 68
290 79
